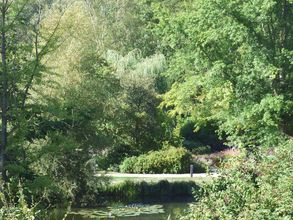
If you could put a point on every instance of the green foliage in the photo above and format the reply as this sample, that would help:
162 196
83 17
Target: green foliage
125 23
256 186
89 84
233 72
197 147
201 141
84 111
16 207
129 191
138 125
169 160
59 160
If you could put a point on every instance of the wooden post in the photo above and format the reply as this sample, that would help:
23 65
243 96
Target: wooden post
191 170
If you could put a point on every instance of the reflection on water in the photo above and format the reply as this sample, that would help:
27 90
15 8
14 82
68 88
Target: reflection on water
132 212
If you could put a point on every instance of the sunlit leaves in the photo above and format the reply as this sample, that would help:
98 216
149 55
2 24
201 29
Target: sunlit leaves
227 66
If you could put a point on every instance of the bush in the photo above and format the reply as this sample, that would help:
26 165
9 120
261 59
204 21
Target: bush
170 160
16 207
255 186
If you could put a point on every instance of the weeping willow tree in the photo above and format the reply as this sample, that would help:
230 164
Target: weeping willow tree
140 127
133 69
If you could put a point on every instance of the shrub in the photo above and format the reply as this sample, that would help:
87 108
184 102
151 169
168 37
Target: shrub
169 160
16 207
128 165
255 186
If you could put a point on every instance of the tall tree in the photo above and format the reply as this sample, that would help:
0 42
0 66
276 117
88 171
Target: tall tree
231 65
23 46
4 8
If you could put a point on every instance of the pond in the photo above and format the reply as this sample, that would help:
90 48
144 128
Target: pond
124 212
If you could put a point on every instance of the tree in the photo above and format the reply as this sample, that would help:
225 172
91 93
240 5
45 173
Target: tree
230 67
139 125
122 25
71 112
23 46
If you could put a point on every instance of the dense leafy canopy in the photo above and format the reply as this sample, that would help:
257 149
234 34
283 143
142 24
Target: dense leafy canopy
90 85
231 64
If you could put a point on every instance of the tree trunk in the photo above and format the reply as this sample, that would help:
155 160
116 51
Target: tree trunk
4 90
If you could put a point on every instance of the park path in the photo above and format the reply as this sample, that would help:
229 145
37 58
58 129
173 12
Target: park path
159 176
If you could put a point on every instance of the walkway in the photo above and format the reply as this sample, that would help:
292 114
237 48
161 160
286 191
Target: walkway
159 176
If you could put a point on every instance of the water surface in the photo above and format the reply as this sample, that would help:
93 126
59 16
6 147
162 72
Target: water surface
131 212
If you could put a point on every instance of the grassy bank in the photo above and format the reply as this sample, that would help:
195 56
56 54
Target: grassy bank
142 191
197 180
